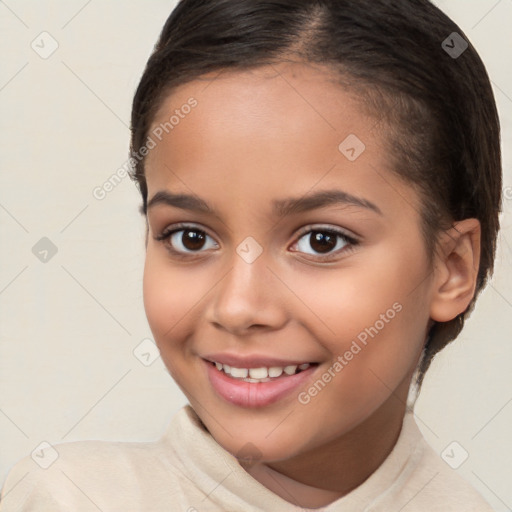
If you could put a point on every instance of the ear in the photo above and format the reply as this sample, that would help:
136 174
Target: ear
456 270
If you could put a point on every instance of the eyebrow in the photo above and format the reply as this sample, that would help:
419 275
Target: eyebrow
183 201
281 207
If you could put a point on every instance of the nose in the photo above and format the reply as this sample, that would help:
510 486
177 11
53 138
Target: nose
248 298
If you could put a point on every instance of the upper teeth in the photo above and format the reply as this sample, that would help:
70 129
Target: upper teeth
260 373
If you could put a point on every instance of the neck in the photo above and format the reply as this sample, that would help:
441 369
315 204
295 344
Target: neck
318 477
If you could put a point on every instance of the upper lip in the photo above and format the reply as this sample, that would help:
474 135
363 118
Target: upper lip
252 361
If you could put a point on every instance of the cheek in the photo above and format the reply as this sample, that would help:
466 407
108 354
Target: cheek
345 301
373 313
170 294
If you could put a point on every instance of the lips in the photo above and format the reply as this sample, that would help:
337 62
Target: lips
258 381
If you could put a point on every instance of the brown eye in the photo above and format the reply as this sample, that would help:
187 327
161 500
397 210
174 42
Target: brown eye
317 242
184 240
322 241
192 239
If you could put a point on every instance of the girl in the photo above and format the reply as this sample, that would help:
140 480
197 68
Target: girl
321 184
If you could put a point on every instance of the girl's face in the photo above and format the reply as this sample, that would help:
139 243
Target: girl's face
279 237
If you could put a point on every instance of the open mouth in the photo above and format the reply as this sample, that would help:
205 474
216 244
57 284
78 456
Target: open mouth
257 381
261 374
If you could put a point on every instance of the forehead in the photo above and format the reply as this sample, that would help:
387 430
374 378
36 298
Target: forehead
258 132
281 95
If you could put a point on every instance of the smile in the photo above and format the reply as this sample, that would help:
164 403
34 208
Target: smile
253 384
262 374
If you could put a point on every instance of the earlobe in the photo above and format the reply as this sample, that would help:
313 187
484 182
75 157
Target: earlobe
456 270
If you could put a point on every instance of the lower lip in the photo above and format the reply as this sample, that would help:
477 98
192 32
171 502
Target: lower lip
255 394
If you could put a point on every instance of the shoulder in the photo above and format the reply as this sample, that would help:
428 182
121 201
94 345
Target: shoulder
428 483
450 487
414 478
84 474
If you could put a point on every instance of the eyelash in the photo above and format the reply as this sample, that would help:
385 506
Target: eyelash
350 241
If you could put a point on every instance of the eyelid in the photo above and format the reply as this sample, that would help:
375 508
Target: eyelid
181 226
326 227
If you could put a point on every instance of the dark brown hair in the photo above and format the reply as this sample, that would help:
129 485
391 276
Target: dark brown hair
399 57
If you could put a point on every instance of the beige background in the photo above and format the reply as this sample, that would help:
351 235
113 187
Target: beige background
69 326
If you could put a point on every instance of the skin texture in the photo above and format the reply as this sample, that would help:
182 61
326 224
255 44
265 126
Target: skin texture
273 133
